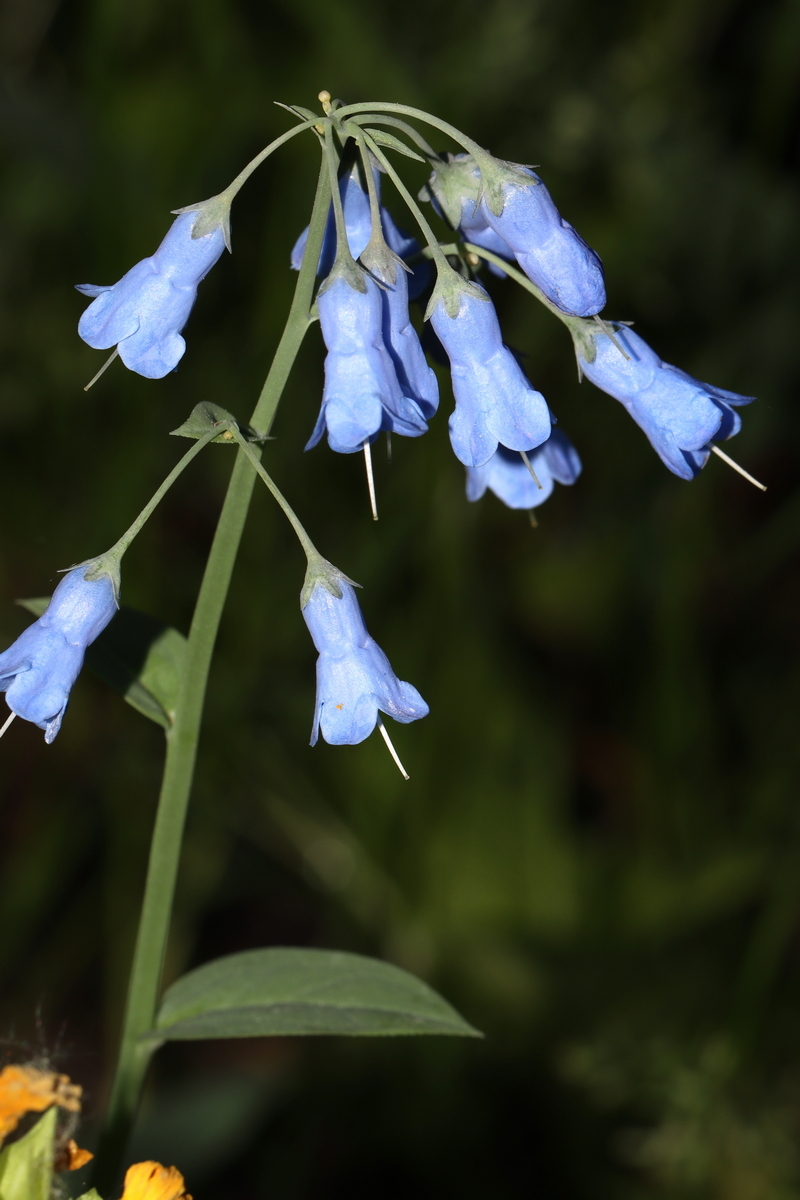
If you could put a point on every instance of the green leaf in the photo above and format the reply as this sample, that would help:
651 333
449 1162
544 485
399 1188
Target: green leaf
393 143
280 991
26 1166
205 416
138 656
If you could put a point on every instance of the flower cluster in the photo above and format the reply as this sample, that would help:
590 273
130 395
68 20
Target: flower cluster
377 377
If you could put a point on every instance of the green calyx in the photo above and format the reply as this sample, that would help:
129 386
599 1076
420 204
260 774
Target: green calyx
325 574
214 213
455 179
345 267
380 261
449 289
104 566
497 177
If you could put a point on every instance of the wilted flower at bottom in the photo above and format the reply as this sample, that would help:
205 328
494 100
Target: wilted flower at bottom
506 474
151 1181
355 679
679 414
143 314
39 669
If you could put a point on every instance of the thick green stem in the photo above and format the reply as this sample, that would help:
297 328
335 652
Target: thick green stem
145 980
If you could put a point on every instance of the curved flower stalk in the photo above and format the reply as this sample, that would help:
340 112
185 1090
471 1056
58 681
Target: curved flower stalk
680 415
355 680
508 476
143 314
495 403
39 669
362 394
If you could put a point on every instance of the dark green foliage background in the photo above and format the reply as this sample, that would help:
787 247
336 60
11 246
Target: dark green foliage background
597 856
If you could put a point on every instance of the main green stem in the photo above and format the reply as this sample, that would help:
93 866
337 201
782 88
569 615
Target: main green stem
182 739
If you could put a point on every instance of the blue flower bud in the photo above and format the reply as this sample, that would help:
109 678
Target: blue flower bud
362 393
551 253
144 313
495 403
506 474
355 679
680 415
38 671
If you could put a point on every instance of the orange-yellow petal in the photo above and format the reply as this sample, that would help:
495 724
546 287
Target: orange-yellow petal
151 1181
71 1158
27 1089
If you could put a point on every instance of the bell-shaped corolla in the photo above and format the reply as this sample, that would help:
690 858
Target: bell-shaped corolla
355 680
362 394
144 313
680 415
39 669
509 477
495 403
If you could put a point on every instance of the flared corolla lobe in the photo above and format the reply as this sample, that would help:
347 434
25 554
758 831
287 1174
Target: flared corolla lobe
355 679
362 394
144 313
551 253
506 474
680 415
495 403
39 669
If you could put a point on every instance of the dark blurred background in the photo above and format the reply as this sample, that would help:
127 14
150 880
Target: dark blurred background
596 858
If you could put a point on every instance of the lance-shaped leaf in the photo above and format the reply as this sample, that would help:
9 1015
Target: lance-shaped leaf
284 991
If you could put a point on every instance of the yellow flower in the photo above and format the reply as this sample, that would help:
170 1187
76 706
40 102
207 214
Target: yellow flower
26 1089
151 1181
70 1157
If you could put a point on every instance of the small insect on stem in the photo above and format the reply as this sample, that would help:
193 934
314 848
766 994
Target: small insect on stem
392 751
104 367
741 471
527 462
6 723
370 480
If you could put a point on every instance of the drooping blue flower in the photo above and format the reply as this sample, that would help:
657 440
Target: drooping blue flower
454 190
551 253
144 313
495 403
355 679
39 669
417 381
680 415
505 474
362 393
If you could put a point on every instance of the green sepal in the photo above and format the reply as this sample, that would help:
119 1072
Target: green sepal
583 333
320 571
138 656
284 991
105 564
497 176
26 1166
449 288
205 416
345 267
214 213
451 182
393 143
380 260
